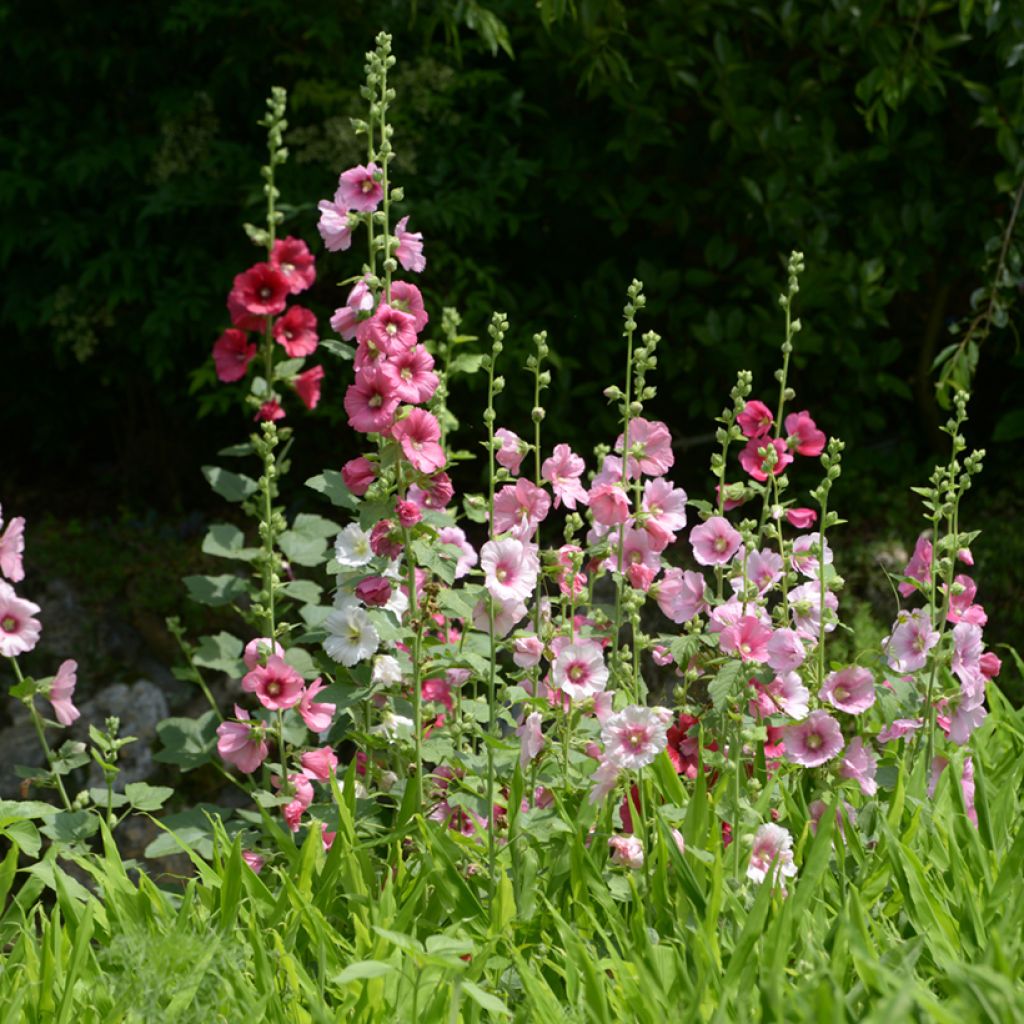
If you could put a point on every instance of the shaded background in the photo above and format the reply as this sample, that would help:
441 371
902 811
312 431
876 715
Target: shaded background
550 152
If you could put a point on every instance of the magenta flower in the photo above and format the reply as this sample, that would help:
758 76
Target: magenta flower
753 462
510 569
627 852
919 567
307 386
12 547
410 247
241 317
804 437
563 470
531 737
680 595
419 435
277 685
519 508
261 290
270 411
372 400
801 518
316 715
374 591
358 474
334 226
296 332
292 258
786 650
851 690
19 630
961 602
860 763
318 764
635 736
579 669
389 330
912 638
746 638
254 860
407 298
61 689
232 354
756 419
772 853
242 743
294 809
417 381
408 513
609 504
356 309
714 542
359 188
813 741
436 494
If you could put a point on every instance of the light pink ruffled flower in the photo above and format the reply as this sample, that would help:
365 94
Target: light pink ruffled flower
12 547
519 508
650 447
899 728
358 304
19 629
680 595
506 615
608 504
531 737
318 764
513 448
801 518
805 607
912 638
510 569
604 780
316 715
242 743
579 669
813 741
467 558
410 247
851 690
665 508
919 567
333 226
772 853
805 555
785 693
61 689
254 860
747 638
627 852
786 650
562 470
359 188
764 570
714 542
635 736
859 764
804 436
527 651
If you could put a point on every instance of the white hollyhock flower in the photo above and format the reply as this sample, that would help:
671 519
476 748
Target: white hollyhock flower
352 547
351 636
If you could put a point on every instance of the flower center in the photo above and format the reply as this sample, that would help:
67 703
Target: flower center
287 268
392 329
744 648
720 544
265 292
636 739
273 688
501 574
367 185
376 401
575 673
813 741
8 624
841 693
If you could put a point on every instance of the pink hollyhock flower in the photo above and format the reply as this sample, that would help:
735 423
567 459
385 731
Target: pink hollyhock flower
374 591
680 595
261 290
570 583
419 435
61 689
506 615
627 852
457 538
967 787
407 298
307 386
334 226
714 542
241 317
635 736
753 462
756 419
804 437
358 474
277 685
860 763
389 329
510 569
254 860
372 400
437 493
316 715
605 780
845 815
786 650
961 602
303 797
257 651
513 448
665 507
801 518
661 655
813 741
357 306
242 743
531 737
990 665
964 555
912 638
806 549
610 473
519 508
19 630
967 645
270 411
650 448
764 570
919 567
805 607
746 638
383 541
737 496
787 693
417 381
359 188
527 651
292 258
899 728
640 576
410 247
12 547
296 332
318 764
771 854
609 504
851 690
579 669
408 513
439 691
636 550
563 470
232 354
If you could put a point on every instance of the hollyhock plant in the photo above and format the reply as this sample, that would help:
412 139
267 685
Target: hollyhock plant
19 629
410 248
12 548
295 332
807 550
813 741
756 419
318 764
270 412
787 693
805 607
665 507
61 690
635 736
232 354
851 690
785 650
351 636
419 435
714 542
650 448
292 258
242 743
468 557
262 290
579 669
360 188
277 685
608 504
407 298
771 854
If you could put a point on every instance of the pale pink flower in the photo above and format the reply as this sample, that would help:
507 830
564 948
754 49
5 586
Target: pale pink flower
912 638
661 655
627 852
764 570
570 583
771 854
806 550
317 716
256 651
605 779
846 814
805 607
579 669
787 693
506 615
407 298
467 558
19 630
12 547
291 256
519 508
859 764
295 332
527 651
730 612
419 435
635 736
531 736
61 689
357 306
510 569
318 764
964 555
414 367
610 472
513 448
899 728
242 743
359 188
756 419
680 595
333 226
608 504
410 247
277 685
747 638
851 690
372 400
804 437
754 463
389 330
786 650
562 470
813 741
665 508
967 786
254 860
636 550
801 518
919 567
232 354
714 542
603 708
650 447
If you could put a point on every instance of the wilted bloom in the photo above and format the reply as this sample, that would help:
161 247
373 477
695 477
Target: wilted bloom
242 743
12 547
756 419
804 437
851 690
61 689
746 638
257 651
579 669
19 630
359 188
859 764
384 539
772 852
296 333
531 736
334 226
510 569
680 595
232 354
410 247
627 851
919 567
636 735
912 638
419 435
262 290
714 542
813 741
562 470
318 764
754 463
801 518
316 715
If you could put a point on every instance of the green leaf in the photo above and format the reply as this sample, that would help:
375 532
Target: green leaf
485 1000
25 834
466 362
303 591
216 590
144 797
300 549
362 970
724 688
338 349
475 507
188 742
331 484
232 486
220 653
71 826
226 541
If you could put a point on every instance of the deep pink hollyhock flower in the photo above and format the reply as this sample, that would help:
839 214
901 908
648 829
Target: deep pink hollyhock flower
851 690
437 690
19 630
513 448
961 600
510 569
664 505
374 591
519 508
358 474
531 737
714 542
990 665
307 386
804 437
389 329
417 381
786 650
640 576
383 541
261 290
771 854
650 448
753 462
61 689
756 419
410 247
919 567
408 513
359 188
257 651
296 332
860 763
456 537
813 741
563 470
316 715
372 400
627 852
965 556
254 860
357 308
242 743
277 685
527 651
912 638
605 780
579 669
232 354
407 298
12 547
609 504
291 257
269 411
680 595
805 607
899 728
436 495
318 764
635 736
747 638
801 518
241 317
334 226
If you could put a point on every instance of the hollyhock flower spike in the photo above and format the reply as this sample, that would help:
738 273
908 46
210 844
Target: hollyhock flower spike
714 542
772 852
12 547
292 258
359 188
61 690
19 629
753 462
232 354
410 247
334 226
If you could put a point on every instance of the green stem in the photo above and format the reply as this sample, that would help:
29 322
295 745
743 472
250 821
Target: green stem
41 733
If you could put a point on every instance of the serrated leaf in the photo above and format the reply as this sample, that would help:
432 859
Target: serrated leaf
71 826
216 590
725 686
301 549
220 653
231 486
187 742
466 362
303 591
226 541
145 797
331 484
